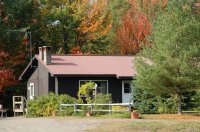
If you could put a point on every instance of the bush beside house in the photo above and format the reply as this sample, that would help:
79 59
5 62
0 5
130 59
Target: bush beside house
49 105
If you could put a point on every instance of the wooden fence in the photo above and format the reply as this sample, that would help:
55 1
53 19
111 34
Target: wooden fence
92 108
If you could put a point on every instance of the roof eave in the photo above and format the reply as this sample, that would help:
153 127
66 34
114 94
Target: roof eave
125 77
26 69
85 75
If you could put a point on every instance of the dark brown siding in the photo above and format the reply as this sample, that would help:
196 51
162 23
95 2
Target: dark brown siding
45 83
43 80
70 86
33 79
115 88
40 78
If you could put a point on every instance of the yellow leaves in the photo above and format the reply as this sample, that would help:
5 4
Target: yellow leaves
97 22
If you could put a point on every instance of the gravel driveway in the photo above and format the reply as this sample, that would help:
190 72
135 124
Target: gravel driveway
53 124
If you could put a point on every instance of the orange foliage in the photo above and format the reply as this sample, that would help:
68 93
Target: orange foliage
96 22
76 51
136 26
132 33
6 78
19 59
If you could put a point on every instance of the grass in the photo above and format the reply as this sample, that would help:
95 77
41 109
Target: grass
125 115
166 126
154 123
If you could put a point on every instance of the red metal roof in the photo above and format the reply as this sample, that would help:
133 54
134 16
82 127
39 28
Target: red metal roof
121 66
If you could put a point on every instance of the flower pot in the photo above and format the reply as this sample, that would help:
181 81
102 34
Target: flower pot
88 114
135 115
53 114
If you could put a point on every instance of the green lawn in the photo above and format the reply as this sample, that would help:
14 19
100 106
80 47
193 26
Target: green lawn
153 123
166 126
150 126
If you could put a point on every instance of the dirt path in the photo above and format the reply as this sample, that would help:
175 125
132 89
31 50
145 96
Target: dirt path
169 122
58 124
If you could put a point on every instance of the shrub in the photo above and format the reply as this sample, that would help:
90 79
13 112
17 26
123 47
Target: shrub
49 105
86 91
119 108
80 114
167 105
66 99
144 101
148 103
196 101
102 99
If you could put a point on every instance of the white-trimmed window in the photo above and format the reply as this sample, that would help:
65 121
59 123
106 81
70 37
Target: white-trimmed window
31 90
101 85
127 87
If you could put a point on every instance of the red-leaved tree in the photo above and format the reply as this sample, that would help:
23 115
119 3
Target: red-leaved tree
136 26
6 73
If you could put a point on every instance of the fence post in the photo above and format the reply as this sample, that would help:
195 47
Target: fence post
110 107
129 107
60 106
74 107
91 108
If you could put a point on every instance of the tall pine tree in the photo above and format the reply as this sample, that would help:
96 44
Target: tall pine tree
172 64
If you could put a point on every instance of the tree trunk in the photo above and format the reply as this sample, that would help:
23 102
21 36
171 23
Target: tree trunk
179 104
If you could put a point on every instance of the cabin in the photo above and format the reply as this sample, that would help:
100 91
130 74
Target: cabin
64 74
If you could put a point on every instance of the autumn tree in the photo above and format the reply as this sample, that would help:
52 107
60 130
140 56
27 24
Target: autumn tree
117 8
171 65
13 54
95 24
96 21
6 73
136 25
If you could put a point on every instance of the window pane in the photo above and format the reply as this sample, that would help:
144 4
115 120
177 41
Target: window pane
127 88
127 85
101 86
31 89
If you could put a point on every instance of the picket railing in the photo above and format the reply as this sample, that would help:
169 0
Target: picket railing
92 108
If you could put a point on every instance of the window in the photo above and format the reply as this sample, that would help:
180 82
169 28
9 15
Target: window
127 87
101 85
31 90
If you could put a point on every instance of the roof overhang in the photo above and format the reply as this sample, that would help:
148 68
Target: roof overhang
125 77
29 69
93 75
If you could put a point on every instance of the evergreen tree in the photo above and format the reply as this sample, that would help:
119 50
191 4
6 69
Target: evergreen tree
172 64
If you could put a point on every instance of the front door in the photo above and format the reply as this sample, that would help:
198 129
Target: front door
126 92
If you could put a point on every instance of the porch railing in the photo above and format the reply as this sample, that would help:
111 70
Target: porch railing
93 109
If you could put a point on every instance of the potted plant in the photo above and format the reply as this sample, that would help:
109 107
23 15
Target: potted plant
88 112
135 114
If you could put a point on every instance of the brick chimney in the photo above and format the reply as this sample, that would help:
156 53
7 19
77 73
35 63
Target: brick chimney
47 54
41 53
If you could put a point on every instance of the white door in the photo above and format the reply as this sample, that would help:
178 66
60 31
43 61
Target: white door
126 92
